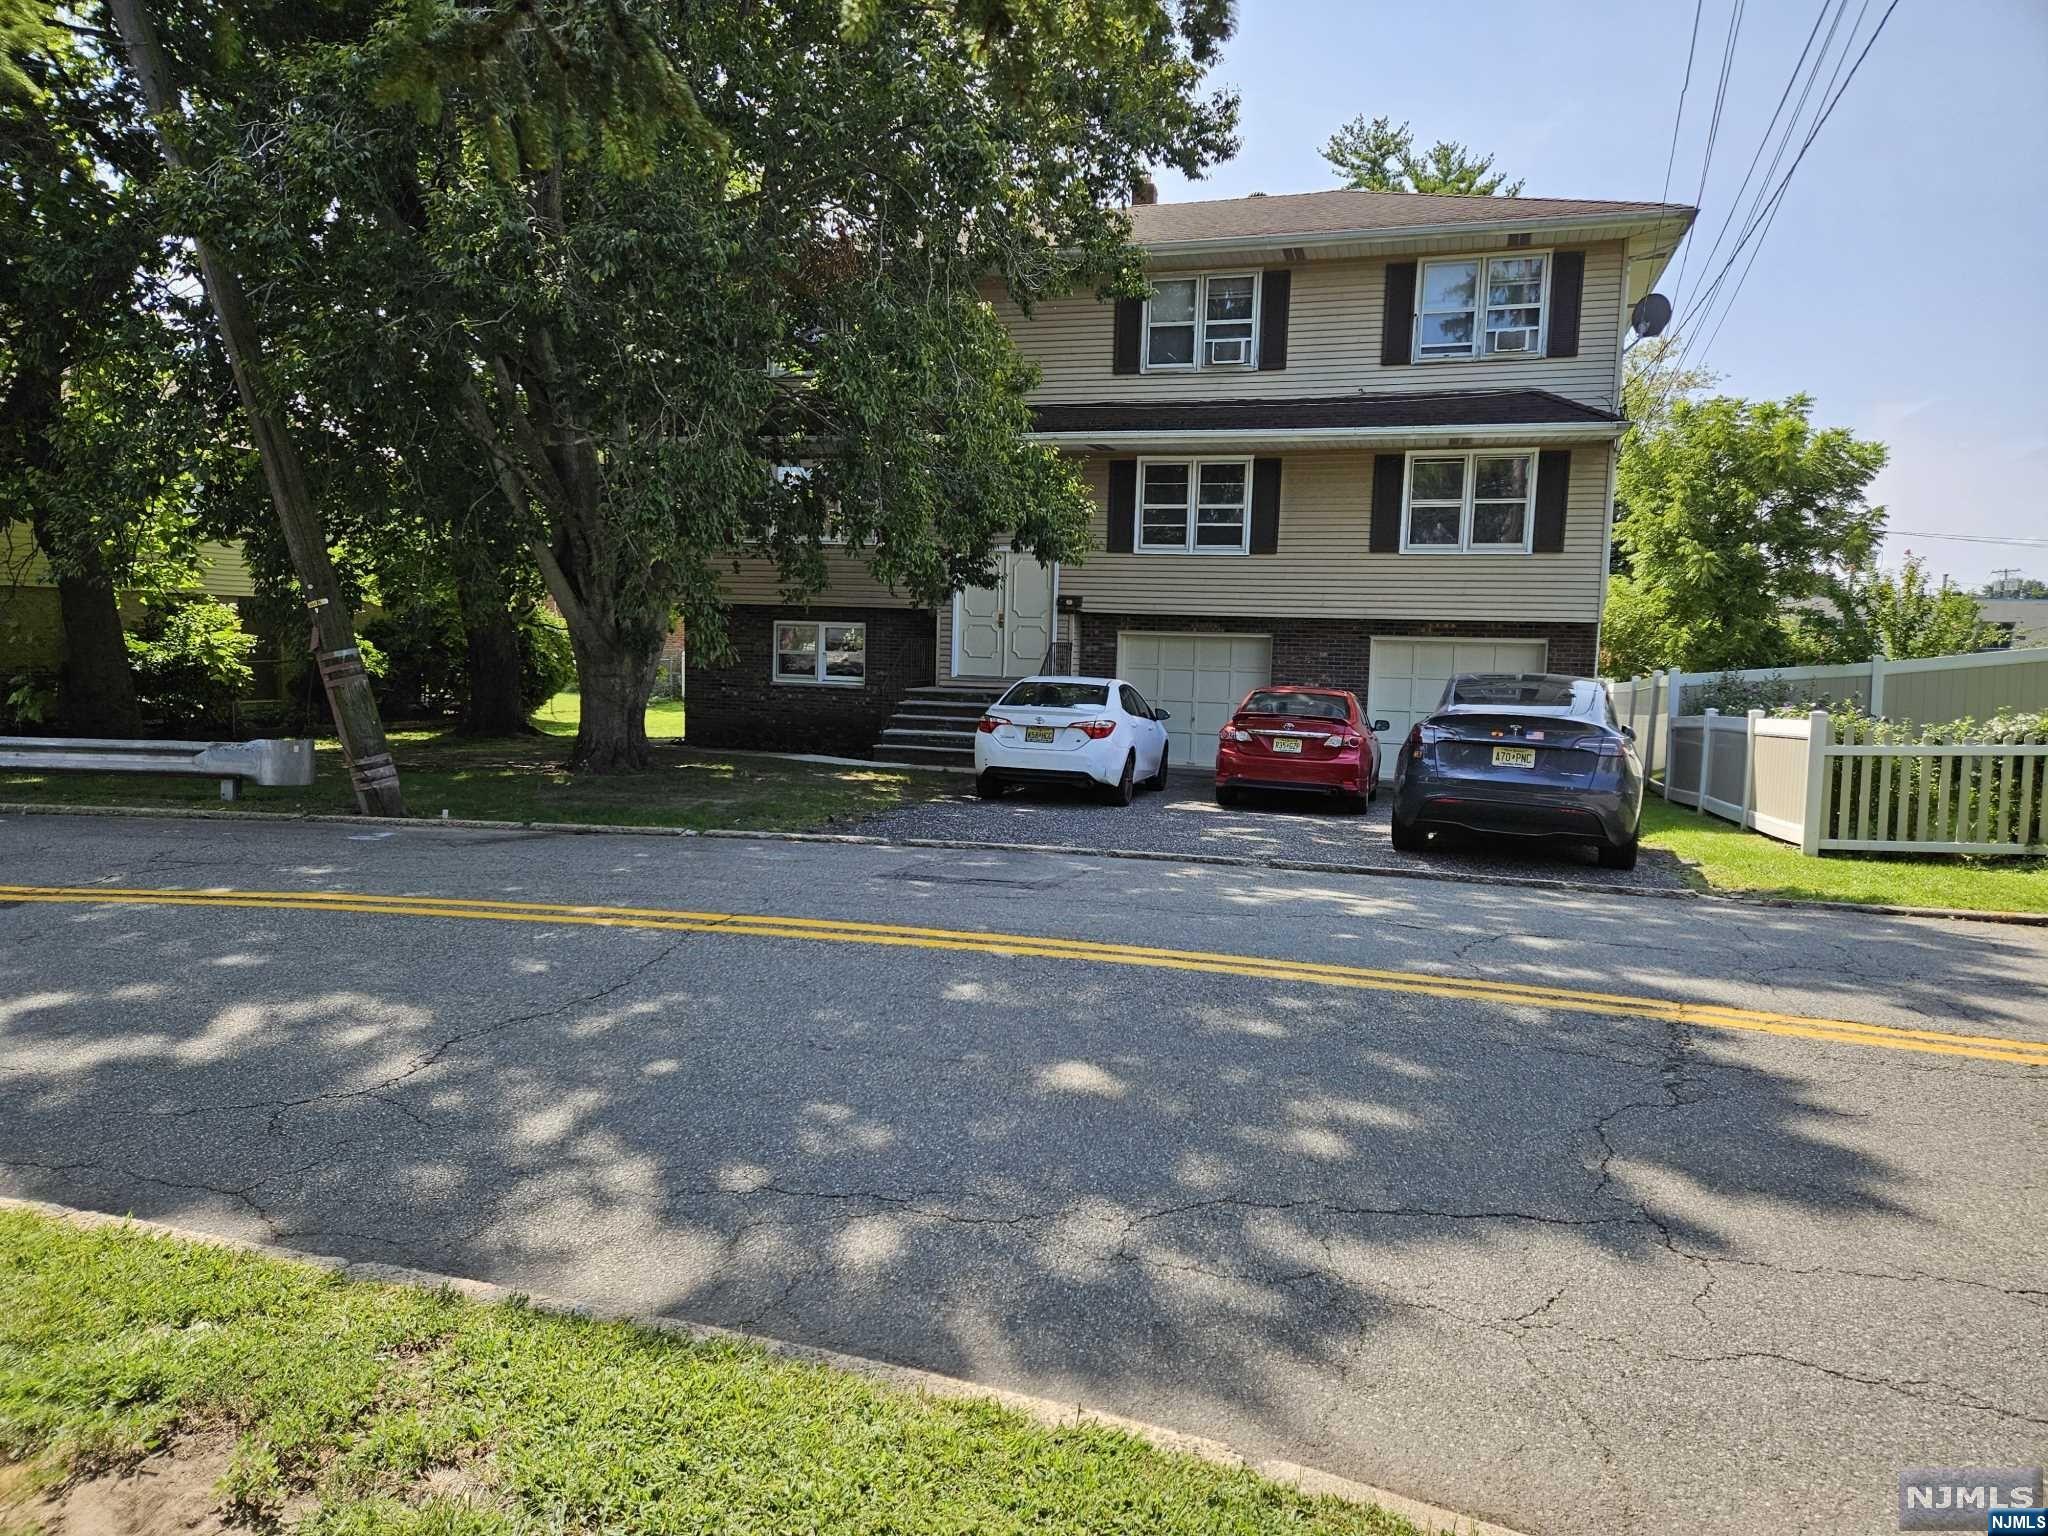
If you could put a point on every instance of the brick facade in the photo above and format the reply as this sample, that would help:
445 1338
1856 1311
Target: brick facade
739 704
1333 653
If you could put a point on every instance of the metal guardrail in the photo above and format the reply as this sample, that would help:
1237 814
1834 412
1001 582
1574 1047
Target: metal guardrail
270 762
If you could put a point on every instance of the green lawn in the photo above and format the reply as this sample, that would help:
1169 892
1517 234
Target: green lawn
527 779
380 1409
561 715
1732 859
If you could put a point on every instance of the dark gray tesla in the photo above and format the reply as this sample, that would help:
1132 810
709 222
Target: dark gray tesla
1522 755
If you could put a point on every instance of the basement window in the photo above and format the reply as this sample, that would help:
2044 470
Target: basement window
821 653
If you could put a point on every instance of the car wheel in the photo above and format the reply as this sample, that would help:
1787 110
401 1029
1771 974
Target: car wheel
1120 792
1618 855
1350 804
1158 780
988 786
1408 838
1225 795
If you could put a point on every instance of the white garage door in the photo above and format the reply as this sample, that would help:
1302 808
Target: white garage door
1408 677
1197 679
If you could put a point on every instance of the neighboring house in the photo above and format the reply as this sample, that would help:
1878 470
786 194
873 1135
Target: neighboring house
32 635
2021 621
1353 438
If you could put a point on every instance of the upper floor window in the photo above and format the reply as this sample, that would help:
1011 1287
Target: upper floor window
1194 506
1470 503
1202 322
1481 306
797 477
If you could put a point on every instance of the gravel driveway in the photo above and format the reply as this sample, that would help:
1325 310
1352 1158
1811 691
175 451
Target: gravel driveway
1187 820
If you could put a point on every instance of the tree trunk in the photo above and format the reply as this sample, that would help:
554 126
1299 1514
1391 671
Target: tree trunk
491 665
356 721
615 678
95 691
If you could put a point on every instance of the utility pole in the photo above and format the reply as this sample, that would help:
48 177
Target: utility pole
361 729
2003 580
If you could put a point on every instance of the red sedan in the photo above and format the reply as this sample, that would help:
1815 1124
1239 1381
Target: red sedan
1299 738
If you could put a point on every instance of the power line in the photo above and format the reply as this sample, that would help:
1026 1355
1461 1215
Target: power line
1679 116
1713 124
1777 197
1967 538
1728 219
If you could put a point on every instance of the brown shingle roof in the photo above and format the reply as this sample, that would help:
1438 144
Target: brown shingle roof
1343 211
1458 408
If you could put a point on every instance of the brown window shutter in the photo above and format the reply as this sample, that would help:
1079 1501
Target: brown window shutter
1397 319
1276 291
1388 471
1567 289
1130 330
1123 505
1553 490
1265 506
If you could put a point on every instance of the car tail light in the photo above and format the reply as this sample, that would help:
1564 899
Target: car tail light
1350 743
988 725
1096 730
1425 736
1235 732
1609 746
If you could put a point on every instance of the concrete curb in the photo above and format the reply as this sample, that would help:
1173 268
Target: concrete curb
861 840
903 1378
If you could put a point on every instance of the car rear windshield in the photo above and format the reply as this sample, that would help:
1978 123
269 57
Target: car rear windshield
1279 701
1529 692
1030 695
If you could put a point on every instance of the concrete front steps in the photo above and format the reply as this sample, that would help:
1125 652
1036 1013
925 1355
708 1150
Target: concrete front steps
934 725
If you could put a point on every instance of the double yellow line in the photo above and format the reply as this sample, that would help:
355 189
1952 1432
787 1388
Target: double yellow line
1502 994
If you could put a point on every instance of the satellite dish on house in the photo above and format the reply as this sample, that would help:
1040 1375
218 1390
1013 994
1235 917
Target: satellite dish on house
1651 314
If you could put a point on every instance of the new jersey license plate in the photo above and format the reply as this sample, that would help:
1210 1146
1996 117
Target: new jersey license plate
1287 744
1514 757
1038 735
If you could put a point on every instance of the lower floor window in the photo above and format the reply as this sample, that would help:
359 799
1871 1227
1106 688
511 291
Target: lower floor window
820 652
1477 502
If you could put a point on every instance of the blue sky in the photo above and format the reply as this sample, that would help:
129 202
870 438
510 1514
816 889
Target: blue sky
1882 289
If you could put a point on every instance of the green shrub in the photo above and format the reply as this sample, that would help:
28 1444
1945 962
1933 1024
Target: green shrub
27 700
425 655
191 663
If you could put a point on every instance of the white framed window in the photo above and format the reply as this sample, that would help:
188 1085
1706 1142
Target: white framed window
1194 506
821 653
1210 321
1482 306
1479 502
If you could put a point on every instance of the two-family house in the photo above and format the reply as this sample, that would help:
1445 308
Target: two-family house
1353 438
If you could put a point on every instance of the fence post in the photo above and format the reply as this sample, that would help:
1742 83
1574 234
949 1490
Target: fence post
1876 687
1819 730
1749 770
1706 759
1674 693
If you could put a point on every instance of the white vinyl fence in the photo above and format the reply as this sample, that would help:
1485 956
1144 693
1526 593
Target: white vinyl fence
1940 688
1793 780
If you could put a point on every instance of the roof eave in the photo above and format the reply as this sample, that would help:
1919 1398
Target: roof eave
1615 225
1202 438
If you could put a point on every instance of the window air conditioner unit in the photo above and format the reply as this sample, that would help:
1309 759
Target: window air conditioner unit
1237 349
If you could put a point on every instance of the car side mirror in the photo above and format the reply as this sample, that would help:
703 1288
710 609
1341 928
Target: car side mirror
1629 731
1382 725
1160 714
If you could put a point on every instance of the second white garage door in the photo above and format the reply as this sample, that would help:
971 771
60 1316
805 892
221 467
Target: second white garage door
1197 679
1408 677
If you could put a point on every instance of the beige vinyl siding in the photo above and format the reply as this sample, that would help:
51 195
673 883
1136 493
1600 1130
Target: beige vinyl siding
1324 570
848 584
1333 345
222 570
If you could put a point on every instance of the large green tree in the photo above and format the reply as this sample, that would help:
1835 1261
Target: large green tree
652 252
1379 156
1733 516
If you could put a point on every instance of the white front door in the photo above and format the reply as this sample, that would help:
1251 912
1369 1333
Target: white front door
1005 630
1407 678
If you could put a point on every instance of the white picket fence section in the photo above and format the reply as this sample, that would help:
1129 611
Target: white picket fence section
1793 780
1976 685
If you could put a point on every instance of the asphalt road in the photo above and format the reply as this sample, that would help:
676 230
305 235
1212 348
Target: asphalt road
1572 1266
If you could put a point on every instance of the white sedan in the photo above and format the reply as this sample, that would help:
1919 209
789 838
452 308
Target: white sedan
1071 730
